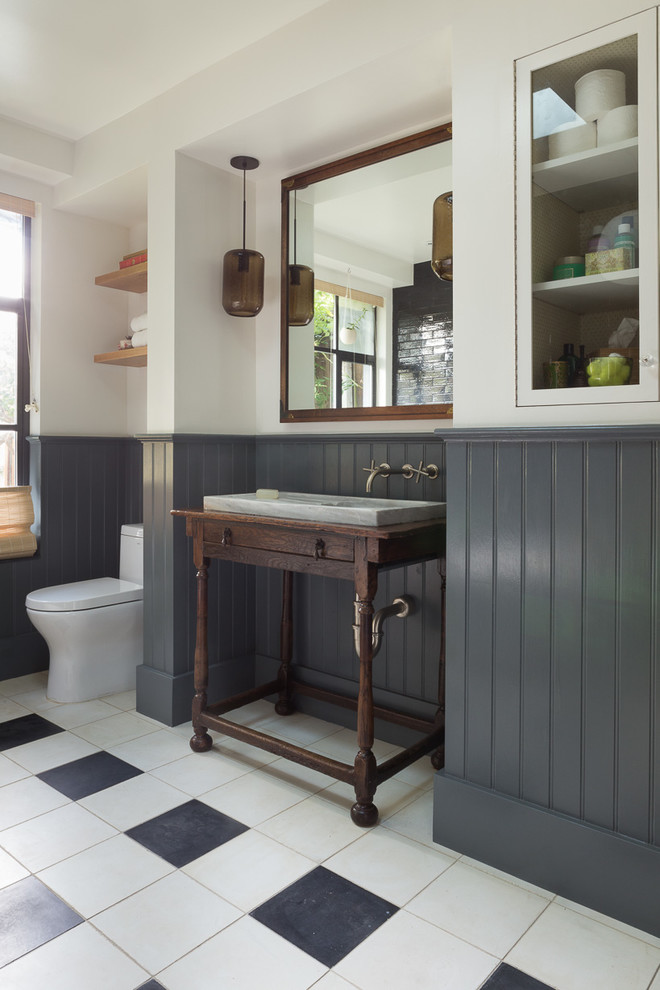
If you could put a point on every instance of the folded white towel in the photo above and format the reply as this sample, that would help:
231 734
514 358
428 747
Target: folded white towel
139 322
139 339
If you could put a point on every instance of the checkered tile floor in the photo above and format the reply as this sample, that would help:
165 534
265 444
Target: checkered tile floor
127 861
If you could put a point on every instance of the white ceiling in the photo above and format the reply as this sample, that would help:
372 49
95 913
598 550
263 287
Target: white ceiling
69 67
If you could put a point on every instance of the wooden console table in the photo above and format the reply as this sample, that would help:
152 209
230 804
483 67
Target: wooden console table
354 553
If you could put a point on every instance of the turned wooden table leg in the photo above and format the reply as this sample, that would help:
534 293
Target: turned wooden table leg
201 740
284 705
438 755
364 812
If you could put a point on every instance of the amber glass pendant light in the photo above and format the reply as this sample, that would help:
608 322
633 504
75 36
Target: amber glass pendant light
443 247
301 283
243 270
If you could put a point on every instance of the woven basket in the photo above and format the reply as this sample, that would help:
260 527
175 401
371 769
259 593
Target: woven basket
16 517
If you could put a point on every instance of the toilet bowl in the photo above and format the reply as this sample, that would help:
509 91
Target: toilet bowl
93 628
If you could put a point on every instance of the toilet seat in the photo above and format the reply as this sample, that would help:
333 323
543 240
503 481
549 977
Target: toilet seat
82 595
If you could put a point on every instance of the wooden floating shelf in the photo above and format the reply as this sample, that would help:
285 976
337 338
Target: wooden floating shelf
130 357
131 279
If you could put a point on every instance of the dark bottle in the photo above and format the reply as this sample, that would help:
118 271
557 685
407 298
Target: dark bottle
580 376
571 360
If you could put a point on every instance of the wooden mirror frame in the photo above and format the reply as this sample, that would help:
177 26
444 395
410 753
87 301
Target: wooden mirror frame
402 146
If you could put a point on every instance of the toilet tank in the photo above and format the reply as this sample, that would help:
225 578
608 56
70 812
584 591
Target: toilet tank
131 560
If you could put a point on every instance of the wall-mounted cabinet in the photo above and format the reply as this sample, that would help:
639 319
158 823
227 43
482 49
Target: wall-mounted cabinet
587 213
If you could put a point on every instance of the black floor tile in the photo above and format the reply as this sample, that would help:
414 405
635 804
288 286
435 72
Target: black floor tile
151 985
30 915
25 729
88 775
324 915
187 832
506 977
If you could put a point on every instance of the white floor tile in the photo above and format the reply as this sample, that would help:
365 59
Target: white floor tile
411 953
416 821
604 919
81 959
10 709
656 983
133 801
253 714
152 750
117 728
312 781
478 907
299 728
342 746
125 701
106 873
160 924
10 870
68 716
315 828
419 774
246 956
200 772
249 869
332 982
35 700
26 799
389 865
27 682
10 772
52 751
568 950
254 797
52 837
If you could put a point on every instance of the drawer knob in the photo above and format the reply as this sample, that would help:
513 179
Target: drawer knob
319 549
226 538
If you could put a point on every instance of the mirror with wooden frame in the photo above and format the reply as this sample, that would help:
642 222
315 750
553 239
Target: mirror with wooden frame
366 324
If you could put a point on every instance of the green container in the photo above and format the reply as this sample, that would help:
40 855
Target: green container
570 267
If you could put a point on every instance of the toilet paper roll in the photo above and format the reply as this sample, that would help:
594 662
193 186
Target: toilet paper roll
571 138
598 92
618 125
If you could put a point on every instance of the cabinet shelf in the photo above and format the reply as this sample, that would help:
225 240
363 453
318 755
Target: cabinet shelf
131 279
591 293
131 357
591 179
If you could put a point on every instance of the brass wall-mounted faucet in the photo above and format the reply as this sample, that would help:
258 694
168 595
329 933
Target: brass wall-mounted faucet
408 471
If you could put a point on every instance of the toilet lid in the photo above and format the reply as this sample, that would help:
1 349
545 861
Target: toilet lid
83 595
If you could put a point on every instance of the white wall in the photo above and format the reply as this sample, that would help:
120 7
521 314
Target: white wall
72 319
214 354
483 161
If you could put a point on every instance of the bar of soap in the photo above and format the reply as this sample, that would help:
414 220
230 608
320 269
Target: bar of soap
267 493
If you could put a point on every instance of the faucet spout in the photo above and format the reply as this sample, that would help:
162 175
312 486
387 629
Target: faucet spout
374 470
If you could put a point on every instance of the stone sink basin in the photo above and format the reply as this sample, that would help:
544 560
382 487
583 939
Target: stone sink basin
348 509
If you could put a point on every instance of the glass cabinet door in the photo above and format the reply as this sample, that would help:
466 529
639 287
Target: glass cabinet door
587 218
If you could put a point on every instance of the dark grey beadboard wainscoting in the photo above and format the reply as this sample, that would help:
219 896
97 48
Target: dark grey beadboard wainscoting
178 471
553 668
406 669
83 489
245 602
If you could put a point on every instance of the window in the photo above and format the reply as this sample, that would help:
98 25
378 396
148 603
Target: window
344 352
15 217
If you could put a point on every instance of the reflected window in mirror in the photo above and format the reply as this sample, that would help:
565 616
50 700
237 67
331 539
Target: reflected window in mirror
380 343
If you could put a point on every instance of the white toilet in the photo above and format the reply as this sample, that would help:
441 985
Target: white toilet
94 628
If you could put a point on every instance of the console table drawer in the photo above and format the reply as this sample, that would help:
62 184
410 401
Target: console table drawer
318 544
